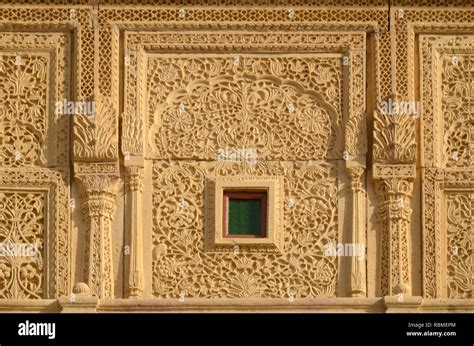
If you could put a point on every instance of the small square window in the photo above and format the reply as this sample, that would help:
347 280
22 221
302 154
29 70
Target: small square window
245 214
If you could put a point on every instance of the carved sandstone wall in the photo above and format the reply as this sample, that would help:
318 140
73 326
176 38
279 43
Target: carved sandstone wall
360 117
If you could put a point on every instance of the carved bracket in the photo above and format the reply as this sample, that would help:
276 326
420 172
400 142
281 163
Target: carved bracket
95 136
394 131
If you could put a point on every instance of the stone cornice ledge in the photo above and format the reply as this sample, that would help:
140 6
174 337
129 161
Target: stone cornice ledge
29 305
402 303
407 304
338 305
389 304
447 305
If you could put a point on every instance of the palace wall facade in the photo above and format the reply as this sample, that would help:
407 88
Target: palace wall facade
122 123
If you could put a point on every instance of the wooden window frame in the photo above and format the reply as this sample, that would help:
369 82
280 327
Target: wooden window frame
260 195
214 240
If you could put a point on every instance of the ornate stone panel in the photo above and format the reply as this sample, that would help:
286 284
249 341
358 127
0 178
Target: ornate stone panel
34 75
34 210
284 108
446 85
23 219
445 63
459 244
182 267
288 99
447 227
289 106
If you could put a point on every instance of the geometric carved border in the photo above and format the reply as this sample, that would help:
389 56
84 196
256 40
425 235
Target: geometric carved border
54 183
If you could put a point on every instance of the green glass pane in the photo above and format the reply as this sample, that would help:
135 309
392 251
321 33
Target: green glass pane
244 216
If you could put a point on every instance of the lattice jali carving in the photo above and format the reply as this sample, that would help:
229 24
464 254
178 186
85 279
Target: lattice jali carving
227 3
34 72
34 210
182 267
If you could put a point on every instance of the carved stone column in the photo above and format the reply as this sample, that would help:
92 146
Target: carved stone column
97 192
394 172
394 213
135 280
357 280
